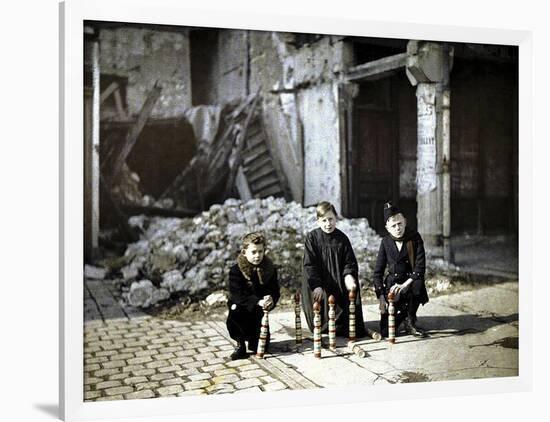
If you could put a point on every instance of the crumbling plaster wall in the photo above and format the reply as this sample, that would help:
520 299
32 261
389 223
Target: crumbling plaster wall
300 113
405 100
232 65
299 86
144 56
226 68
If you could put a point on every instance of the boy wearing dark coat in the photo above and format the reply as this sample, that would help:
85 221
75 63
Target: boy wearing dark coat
330 268
253 287
402 254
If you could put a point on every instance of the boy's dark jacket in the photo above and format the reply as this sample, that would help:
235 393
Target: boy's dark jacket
398 264
249 283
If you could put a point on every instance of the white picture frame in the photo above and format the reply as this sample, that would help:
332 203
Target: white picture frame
72 15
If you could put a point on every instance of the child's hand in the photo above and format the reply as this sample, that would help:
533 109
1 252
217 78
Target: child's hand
268 302
349 281
397 289
318 294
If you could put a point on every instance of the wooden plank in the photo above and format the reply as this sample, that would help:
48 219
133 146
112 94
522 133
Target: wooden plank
264 184
377 68
262 173
251 158
242 185
240 145
259 147
119 107
253 167
108 91
136 129
252 141
254 129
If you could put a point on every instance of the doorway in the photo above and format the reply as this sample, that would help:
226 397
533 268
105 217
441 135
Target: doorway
383 141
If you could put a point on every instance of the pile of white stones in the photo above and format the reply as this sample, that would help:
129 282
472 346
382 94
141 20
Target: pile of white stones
192 256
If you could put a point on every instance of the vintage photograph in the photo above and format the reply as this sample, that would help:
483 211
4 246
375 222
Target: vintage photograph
269 211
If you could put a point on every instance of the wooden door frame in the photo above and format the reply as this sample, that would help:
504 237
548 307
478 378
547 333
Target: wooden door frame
347 91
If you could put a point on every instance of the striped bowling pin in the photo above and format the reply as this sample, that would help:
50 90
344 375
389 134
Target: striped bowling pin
298 319
263 335
356 349
331 324
391 318
317 330
352 314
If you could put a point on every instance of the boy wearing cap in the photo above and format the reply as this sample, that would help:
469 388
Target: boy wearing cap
253 287
402 254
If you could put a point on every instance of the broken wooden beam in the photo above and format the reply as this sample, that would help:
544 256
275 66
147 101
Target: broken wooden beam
242 185
136 129
377 69
107 92
119 107
240 145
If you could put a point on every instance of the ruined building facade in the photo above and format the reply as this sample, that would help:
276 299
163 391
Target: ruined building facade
357 121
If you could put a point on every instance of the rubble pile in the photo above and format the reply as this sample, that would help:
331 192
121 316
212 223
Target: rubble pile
126 189
192 256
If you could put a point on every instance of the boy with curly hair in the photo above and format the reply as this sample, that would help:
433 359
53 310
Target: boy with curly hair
253 287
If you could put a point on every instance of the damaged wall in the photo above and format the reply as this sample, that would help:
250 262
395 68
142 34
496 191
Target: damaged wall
321 146
297 81
144 56
407 126
298 84
280 109
218 65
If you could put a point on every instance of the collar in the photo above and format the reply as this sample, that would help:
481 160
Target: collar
265 270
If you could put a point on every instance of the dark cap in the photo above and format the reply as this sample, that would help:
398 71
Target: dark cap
389 211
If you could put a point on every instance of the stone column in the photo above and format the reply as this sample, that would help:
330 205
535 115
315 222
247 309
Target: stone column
428 68
91 146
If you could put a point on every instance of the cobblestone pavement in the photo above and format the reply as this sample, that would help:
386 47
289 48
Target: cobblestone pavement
130 355
145 357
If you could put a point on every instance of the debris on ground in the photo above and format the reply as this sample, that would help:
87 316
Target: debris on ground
191 257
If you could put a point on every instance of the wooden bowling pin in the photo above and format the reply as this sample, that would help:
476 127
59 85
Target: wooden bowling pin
352 314
391 318
331 323
298 319
317 330
263 335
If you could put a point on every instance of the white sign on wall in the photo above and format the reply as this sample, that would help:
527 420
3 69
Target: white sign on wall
426 145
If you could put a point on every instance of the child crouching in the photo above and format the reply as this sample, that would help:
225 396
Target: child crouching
253 287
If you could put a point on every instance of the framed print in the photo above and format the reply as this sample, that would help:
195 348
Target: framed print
264 211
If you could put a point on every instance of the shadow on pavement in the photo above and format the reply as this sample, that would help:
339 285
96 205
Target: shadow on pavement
49 409
463 324
435 326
